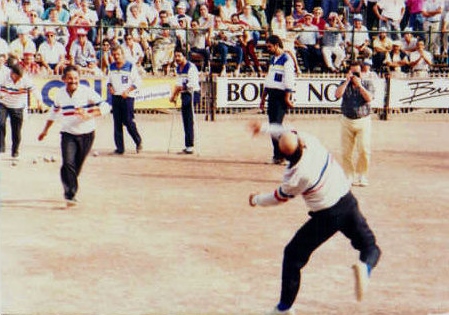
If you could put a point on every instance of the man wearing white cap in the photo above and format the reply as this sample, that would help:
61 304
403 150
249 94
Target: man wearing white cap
181 13
52 52
381 45
81 49
22 43
397 60
359 43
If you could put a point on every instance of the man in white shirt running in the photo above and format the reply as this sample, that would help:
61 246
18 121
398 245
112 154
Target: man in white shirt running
76 105
315 175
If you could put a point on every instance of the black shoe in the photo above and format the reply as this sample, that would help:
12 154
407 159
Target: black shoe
139 148
187 151
278 161
117 152
15 154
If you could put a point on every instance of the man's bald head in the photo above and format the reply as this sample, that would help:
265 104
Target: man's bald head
290 146
288 143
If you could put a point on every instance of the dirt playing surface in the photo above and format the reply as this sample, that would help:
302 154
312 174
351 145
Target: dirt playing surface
162 233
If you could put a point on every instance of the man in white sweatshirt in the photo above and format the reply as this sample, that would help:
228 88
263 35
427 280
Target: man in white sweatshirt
314 174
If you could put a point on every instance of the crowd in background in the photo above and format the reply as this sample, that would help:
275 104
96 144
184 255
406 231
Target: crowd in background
394 36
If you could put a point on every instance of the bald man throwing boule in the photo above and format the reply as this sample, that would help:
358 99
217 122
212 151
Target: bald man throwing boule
313 173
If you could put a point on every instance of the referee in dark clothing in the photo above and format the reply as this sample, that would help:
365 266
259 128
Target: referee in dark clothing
279 84
122 80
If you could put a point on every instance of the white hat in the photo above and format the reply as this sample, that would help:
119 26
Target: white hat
110 7
182 5
81 31
358 17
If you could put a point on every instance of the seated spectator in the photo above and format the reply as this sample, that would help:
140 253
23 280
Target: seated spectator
227 10
225 41
29 65
109 13
133 52
298 12
62 33
62 13
163 50
34 5
143 12
181 12
43 69
206 19
318 19
161 5
22 43
145 39
420 61
198 43
77 22
104 56
249 47
409 42
382 44
278 24
91 17
333 45
308 44
397 61
134 17
81 50
359 45
53 53
258 9
37 31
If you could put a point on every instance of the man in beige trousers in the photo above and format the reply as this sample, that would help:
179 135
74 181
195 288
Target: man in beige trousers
356 94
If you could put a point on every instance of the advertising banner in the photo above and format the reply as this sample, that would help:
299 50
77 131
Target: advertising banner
309 92
419 93
154 93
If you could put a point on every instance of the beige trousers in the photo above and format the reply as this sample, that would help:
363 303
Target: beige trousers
356 133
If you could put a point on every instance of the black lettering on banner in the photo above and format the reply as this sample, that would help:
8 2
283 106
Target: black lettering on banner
246 88
424 90
233 93
322 92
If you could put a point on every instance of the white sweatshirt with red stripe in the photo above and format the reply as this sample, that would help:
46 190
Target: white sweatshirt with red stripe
317 176
15 94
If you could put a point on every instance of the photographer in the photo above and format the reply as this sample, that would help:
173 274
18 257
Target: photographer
356 94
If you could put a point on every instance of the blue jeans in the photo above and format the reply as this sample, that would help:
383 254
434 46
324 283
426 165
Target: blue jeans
16 120
416 22
328 7
223 50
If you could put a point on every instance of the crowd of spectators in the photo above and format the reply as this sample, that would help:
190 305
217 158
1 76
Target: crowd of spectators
389 35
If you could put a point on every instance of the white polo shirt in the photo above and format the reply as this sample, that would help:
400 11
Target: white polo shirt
65 105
